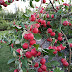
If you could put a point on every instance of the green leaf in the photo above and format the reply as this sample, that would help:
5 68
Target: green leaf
11 60
25 16
53 41
6 2
62 0
37 0
56 69
37 36
22 25
59 53
31 4
70 40
55 63
24 62
36 46
0 7
17 53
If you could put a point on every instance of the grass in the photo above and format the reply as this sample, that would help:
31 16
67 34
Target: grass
5 55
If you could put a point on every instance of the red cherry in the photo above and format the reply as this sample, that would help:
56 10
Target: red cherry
40 70
55 52
50 47
65 23
41 11
43 67
38 16
16 70
36 64
65 63
54 47
30 36
58 48
25 45
70 24
12 45
39 20
35 30
49 39
32 42
70 44
26 36
49 30
42 8
39 53
52 16
60 34
33 18
52 34
14 23
18 50
65 4
42 61
62 48
47 15
44 25
48 23
33 52
5 5
28 54
60 38
37 25
62 60
43 22
44 1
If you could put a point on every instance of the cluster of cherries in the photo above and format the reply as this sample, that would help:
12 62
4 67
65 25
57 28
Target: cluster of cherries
65 63
4 4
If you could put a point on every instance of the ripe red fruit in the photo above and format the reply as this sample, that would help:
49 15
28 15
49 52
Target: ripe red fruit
70 44
40 70
43 22
44 1
60 38
12 45
5 5
49 30
60 34
16 70
47 15
52 16
32 42
56 40
42 61
62 48
55 52
2 2
14 23
30 36
39 20
65 63
18 50
38 16
50 47
52 34
54 47
28 54
41 11
39 53
49 39
62 60
48 23
58 48
65 4
25 45
42 8
33 18
65 23
44 25
33 52
43 67
70 24
37 25
35 30
26 36
36 64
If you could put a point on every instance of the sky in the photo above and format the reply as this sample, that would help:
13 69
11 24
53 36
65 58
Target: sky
23 5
